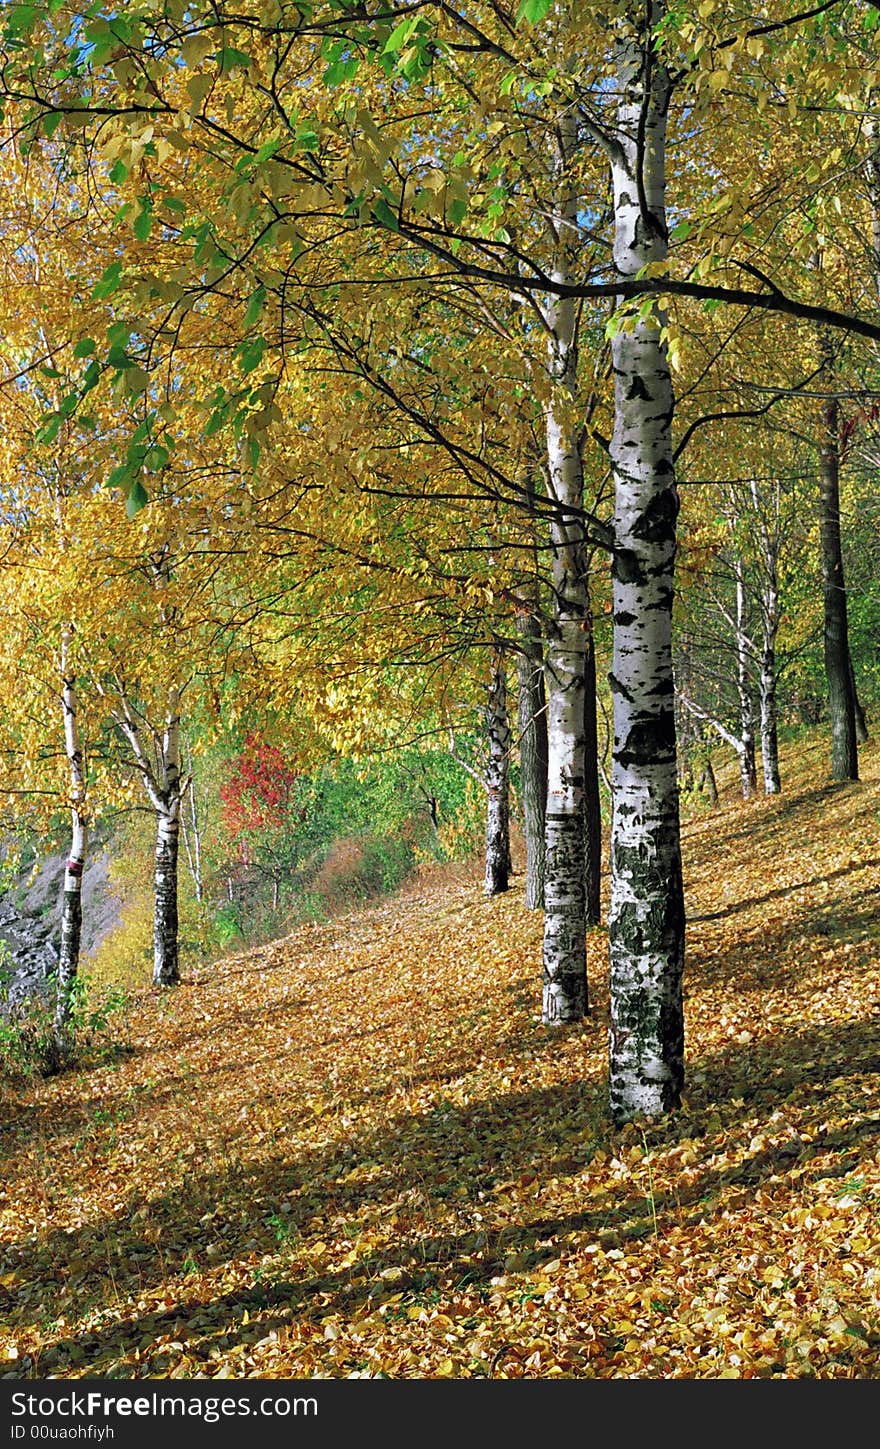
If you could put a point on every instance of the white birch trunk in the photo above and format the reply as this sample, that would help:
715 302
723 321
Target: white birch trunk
532 717
161 780
497 877
193 846
71 911
838 664
565 927
646 921
767 517
166 967
747 767
769 733
872 173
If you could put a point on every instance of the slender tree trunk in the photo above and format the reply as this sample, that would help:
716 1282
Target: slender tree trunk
497 783
592 802
166 965
769 736
769 730
194 850
747 760
532 715
71 910
565 949
872 173
647 920
708 781
838 674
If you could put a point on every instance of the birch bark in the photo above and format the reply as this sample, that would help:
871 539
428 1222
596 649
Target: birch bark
564 947
532 719
160 776
71 910
166 964
497 877
767 517
747 760
646 921
838 672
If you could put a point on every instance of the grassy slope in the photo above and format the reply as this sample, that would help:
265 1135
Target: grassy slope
355 1152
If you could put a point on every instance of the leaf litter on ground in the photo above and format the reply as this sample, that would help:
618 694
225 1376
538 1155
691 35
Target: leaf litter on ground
355 1152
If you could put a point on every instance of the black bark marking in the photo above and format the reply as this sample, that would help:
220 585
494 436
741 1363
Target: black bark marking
638 390
627 567
650 741
658 518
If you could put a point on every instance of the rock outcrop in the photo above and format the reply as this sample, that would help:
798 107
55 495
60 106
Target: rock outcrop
30 923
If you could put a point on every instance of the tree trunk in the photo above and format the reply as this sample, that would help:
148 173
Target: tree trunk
769 731
841 705
872 173
71 910
647 921
747 761
497 783
708 781
592 802
769 735
166 966
532 715
194 850
565 930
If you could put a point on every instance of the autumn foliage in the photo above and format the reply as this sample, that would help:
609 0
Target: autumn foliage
257 795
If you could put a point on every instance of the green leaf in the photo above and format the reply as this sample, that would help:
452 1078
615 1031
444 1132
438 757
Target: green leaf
306 137
229 59
143 222
532 10
251 353
267 149
91 377
681 232
49 429
137 498
457 211
156 457
119 475
84 348
51 122
21 20
400 35
255 306
110 279
384 215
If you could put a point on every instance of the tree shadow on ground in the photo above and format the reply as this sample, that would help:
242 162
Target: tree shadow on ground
441 1163
781 892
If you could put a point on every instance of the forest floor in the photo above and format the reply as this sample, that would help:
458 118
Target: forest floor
355 1152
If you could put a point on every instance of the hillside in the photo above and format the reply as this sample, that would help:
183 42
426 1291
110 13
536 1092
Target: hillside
354 1152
